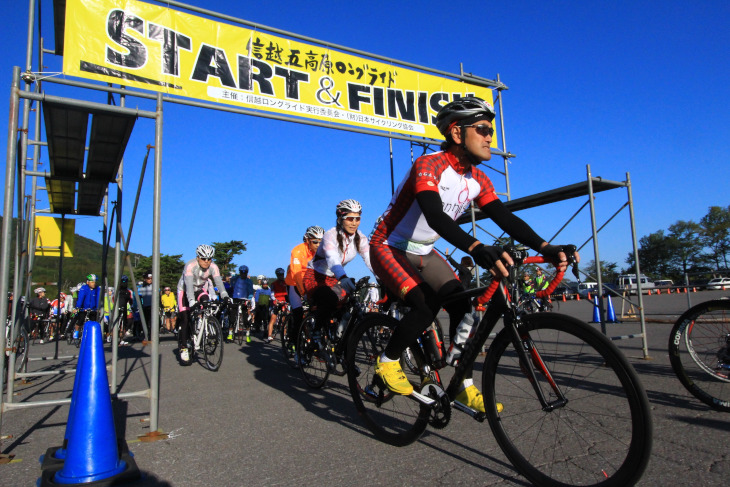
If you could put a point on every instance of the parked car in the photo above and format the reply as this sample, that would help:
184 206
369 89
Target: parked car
719 283
663 283
628 283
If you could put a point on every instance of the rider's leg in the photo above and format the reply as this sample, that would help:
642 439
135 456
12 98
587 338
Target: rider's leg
326 299
272 320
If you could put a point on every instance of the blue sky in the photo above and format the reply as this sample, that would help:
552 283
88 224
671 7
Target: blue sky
636 87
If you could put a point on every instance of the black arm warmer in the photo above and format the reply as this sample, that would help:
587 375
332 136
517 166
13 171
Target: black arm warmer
513 225
433 209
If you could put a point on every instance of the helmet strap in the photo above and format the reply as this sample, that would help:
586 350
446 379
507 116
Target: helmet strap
471 158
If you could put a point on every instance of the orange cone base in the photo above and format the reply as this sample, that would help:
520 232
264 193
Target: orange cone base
130 473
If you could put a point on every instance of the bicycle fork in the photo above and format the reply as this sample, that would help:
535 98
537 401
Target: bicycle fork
531 364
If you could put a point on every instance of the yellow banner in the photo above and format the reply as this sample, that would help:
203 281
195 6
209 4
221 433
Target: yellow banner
48 236
153 47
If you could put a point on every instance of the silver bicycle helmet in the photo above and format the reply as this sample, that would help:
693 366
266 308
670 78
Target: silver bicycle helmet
348 206
314 232
205 251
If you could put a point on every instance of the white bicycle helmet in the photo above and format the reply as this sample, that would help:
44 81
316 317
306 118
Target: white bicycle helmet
40 290
314 232
348 206
205 251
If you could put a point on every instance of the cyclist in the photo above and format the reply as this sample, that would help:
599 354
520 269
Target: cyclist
60 307
146 295
540 281
124 301
527 285
300 257
437 189
169 303
38 308
242 291
278 287
372 297
262 299
325 280
194 282
87 303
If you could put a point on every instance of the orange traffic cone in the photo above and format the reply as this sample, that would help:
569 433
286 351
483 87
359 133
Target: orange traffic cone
563 297
577 296
589 295
694 289
650 292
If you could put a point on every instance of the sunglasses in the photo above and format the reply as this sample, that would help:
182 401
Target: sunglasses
482 129
203 258
315 242
352 219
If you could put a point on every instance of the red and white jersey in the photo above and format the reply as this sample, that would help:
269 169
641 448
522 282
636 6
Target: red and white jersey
403 225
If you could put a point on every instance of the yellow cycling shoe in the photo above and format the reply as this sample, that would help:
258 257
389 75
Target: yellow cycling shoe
392 375
474 399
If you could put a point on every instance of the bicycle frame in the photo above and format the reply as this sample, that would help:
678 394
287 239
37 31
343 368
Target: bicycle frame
500 300
201 321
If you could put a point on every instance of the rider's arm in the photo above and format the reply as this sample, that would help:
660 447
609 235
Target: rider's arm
365 250
432 209
329 249
189 281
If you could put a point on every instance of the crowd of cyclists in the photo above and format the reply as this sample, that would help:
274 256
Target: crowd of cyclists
437 189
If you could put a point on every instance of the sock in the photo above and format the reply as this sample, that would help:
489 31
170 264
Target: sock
466 383
384 359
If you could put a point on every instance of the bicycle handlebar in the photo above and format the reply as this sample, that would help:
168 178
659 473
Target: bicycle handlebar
520 257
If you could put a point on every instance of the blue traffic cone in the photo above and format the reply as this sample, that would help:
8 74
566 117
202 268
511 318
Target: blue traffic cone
596 311
92 455
611 313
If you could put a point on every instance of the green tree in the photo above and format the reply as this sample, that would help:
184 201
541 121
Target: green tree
171 267
686 247
609 270
225 252
655 254
715 234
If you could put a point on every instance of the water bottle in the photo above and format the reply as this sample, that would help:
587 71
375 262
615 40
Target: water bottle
342 324
463 331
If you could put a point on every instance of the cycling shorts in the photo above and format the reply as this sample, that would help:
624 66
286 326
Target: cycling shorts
313 280
401 271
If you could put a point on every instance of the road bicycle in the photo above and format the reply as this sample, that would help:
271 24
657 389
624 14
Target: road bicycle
21 345
699 351
206 338
575 412
238 320
321 346
531 303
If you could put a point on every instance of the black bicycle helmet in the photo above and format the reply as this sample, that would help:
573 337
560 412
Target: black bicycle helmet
462 108
280 272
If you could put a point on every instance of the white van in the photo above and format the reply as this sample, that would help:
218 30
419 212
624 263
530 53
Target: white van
587 287
627 282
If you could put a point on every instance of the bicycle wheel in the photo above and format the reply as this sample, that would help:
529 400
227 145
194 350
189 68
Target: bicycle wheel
212 344
312 353
699 350
601 436
22 344
238 333
287 346
393 418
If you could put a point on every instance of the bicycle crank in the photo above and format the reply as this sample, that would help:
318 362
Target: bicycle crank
441 410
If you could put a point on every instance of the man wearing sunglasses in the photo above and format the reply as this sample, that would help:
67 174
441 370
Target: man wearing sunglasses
194 283
438 189
300 257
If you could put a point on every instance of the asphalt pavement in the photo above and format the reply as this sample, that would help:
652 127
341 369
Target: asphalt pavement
255 422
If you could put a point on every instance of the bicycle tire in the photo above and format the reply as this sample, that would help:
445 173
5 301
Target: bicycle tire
601 437
22 345
212 344
393 418
312 353
698 351
238 333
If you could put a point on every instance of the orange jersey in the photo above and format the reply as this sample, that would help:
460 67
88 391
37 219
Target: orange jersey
300 257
